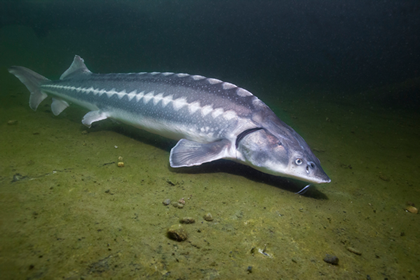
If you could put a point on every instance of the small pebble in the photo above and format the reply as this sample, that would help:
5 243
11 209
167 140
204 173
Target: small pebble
120 164
331 259
354 251
166 201
384 178
17 177
412 209
208 217
187 220
176 232
180 205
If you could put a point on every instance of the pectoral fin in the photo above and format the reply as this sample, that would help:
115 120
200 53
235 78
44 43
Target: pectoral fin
93 116
189 153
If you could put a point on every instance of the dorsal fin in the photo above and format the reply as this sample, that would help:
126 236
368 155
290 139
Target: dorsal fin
77 67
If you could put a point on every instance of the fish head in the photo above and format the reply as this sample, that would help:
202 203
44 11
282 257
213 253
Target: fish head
283 154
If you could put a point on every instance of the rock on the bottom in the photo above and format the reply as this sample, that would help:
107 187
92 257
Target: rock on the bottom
331 259
177 232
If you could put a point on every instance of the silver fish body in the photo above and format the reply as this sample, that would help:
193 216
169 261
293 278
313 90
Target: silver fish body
211 119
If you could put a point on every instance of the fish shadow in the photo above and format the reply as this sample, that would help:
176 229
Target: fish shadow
231 167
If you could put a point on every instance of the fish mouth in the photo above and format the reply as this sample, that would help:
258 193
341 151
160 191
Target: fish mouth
313 180
322 180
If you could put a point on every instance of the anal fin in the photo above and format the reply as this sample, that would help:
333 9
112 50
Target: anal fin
189 153
58 106
93 116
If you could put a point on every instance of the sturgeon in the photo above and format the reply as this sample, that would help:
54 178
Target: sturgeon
211 119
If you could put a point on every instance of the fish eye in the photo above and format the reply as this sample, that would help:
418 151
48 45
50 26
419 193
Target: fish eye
298 161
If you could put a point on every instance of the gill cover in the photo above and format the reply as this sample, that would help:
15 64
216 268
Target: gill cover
263 151
287 157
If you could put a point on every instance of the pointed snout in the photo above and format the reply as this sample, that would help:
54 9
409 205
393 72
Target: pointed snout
319 174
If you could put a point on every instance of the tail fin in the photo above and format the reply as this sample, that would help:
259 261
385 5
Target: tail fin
33 82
